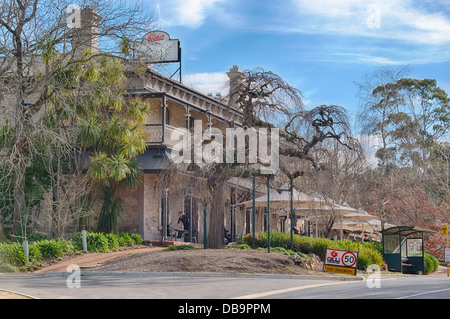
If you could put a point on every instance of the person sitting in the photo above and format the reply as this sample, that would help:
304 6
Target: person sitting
227 236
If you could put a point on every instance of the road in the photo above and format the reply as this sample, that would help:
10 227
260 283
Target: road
198 286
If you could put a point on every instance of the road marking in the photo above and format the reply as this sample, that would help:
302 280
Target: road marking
423 293
282 291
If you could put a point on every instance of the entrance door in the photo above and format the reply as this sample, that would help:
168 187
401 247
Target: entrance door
392 252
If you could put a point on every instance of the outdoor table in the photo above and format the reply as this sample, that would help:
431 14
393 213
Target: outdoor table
180 231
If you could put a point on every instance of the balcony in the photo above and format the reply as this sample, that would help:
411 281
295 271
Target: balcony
159 135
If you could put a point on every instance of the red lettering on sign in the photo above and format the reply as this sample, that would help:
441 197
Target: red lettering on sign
154 38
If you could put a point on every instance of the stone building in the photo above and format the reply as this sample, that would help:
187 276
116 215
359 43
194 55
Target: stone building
165 192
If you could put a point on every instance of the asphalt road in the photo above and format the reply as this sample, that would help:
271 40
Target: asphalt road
197 286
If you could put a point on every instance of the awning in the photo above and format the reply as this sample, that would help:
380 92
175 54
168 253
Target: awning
283 200
154 160
406 230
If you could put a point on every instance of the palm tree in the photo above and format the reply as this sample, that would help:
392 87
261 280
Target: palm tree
110 133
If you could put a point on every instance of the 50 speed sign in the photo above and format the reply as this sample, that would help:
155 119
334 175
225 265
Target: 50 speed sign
341 261
349 259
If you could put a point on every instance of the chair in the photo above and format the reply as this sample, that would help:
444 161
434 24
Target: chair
172 233
193 237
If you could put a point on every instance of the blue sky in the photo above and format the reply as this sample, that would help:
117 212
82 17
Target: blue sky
322 47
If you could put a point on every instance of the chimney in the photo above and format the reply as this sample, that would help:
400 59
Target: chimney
235 75
86 36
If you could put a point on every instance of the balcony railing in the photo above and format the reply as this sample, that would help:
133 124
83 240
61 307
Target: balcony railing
157 135
154 134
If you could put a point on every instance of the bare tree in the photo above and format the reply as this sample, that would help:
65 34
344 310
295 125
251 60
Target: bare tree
264 97
308 129
337 182
63 204
36 45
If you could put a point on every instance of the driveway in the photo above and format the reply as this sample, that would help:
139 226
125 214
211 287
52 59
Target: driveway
92 259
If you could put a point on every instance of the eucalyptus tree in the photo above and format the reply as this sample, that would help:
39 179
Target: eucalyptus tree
425 121
411 119
380 98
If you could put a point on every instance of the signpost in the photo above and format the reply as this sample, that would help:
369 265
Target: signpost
447 250
447 255
340 261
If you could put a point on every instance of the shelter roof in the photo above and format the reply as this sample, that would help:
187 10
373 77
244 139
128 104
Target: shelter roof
406 230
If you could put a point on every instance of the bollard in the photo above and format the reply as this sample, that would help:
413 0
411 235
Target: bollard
83 236
27 252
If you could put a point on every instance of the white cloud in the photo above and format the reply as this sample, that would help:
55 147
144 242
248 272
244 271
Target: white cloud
370 144
399 20
215 82
188 13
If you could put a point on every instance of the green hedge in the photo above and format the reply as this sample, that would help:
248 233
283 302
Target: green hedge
369 253
101 243
13 255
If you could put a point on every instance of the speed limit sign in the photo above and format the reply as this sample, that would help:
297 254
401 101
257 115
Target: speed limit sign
349 259
341 261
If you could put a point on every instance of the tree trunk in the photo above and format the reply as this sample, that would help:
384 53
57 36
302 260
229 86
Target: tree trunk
19 196
216 224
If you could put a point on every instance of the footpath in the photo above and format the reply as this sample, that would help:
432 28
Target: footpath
91 259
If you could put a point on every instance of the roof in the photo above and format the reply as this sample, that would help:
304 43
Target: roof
184 95
154 160
406 230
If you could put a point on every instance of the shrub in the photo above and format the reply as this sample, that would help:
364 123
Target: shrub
369 253
113 241
279 250
125 239
4 267
180 247
53 248
137 238
431 264
12 254
96 242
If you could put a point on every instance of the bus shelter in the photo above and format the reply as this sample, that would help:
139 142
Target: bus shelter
403 249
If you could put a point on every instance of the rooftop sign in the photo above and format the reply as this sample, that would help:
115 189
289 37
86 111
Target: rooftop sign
157 47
